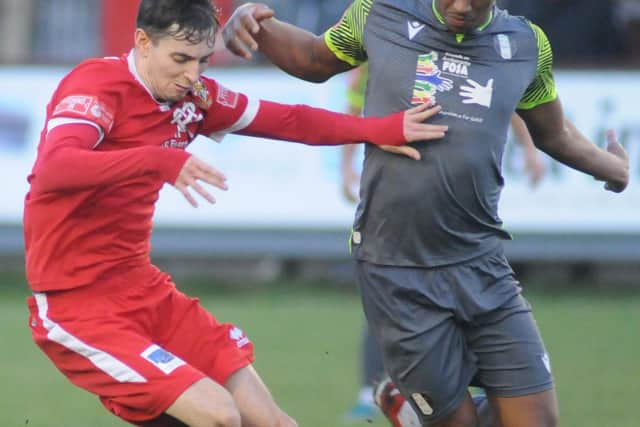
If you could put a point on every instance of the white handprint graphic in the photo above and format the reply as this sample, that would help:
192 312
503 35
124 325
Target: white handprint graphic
476 93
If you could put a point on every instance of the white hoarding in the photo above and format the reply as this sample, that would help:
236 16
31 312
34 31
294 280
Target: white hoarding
278 184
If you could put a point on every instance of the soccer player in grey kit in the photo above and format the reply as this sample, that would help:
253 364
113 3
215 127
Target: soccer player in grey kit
437 291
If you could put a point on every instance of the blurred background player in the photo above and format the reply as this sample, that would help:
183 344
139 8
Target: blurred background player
371 368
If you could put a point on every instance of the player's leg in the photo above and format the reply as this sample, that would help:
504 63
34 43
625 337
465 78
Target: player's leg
371 373
412 314
400 413
513 364
100 344
206 404
534 410
255 402
224 353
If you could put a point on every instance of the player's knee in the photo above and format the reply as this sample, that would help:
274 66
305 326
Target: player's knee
464 416
225 415
284 420
550 417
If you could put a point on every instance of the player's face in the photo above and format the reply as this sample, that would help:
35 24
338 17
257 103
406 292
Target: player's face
464 15
172 66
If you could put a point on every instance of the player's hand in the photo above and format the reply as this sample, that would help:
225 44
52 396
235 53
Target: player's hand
403 150
414 129
194 171
350 182
614 147
533 166
240 30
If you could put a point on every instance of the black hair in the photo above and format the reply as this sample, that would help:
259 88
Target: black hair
190 20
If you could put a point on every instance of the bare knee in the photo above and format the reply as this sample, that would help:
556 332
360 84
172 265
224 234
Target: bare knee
465 415
220 415
535 410
206 404
228 417
283 420
550 416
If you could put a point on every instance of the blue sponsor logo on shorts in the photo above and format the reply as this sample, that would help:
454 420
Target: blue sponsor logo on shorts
162 359
161 356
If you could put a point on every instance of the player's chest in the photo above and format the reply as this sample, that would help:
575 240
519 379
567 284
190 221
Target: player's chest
411 62
151 123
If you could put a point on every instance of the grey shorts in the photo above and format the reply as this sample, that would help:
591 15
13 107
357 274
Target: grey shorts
445 328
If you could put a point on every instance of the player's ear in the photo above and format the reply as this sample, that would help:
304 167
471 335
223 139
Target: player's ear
142 41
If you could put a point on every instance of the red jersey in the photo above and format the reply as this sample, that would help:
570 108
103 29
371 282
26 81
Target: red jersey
74 237
108 146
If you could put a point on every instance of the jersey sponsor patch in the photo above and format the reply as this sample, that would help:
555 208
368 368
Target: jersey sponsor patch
237 335
226 97
86 107
429 80
162 359
422 402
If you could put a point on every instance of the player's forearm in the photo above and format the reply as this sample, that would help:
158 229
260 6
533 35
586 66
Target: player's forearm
573 149
298 52
65 164
315 126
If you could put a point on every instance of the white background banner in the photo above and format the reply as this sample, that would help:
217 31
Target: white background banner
278 184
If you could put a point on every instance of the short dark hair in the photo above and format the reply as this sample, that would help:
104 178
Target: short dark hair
190 20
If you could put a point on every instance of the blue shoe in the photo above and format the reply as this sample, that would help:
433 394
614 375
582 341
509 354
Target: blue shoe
361 413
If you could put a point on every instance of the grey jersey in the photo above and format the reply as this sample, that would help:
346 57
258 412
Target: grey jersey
442 209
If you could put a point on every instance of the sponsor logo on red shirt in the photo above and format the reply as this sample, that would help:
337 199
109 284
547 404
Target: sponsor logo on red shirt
86 107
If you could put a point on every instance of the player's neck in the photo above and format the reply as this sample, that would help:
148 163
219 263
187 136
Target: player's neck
142 68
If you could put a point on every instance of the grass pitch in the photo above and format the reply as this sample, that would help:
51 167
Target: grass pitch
306 342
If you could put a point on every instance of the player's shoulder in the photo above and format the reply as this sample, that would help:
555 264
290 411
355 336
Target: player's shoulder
513 23
96 72
527 36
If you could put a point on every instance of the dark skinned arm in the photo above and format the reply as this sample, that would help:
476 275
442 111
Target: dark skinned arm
300 53
560 139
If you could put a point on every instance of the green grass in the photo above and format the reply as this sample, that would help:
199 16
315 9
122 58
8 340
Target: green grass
306 344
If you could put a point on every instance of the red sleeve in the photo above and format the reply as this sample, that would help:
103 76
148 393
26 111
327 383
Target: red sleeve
66 161
315 126
90 94
227 111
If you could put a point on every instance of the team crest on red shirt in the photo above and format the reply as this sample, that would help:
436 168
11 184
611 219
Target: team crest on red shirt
201 93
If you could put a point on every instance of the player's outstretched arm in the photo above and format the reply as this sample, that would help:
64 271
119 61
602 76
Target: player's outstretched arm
67 161
559 138
315 126
300 53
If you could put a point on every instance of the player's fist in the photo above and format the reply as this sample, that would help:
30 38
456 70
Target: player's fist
619 183
240 30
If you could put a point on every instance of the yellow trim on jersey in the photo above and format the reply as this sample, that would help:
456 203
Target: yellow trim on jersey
543 87
345 38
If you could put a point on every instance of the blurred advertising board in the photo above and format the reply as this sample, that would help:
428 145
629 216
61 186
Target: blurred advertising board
281 185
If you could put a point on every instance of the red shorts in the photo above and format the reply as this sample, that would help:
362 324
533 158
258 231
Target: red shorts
136 342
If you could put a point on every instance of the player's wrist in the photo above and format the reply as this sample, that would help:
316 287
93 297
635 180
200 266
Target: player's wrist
387 130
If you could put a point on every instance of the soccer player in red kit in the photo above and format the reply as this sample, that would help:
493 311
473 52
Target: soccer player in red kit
115 133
